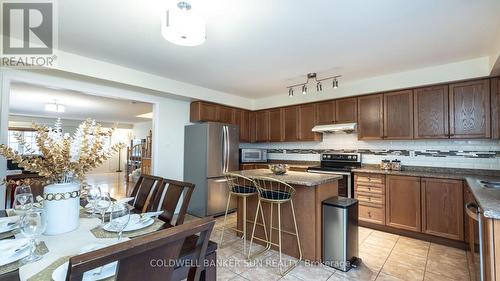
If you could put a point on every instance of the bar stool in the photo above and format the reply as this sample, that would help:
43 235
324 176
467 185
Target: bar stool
243 187
275 192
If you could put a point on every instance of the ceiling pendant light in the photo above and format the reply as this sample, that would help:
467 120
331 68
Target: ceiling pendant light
55 107
183 26
319 85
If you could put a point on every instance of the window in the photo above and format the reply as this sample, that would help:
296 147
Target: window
29 138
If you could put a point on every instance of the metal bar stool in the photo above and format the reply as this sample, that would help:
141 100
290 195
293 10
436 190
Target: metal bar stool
242 187
275 192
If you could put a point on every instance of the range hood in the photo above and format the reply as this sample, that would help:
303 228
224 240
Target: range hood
345 127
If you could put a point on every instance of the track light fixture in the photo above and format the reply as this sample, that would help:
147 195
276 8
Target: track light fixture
319 85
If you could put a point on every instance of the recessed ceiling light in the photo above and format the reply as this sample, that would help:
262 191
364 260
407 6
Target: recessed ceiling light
146 115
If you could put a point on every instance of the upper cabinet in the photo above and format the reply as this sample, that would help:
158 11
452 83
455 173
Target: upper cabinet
307 120
262 126
431 112
398 115
225 114
275 125
242 119
470 109
203 111
346 110
291 123
370 117
495 107
325 112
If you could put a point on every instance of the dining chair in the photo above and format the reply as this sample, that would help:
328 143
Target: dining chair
144 190
167 197
140 258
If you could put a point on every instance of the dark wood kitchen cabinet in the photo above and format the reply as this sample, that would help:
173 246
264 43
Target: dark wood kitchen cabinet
430 111
495 107
325 113
403 196
443 208
346 110
225 114
241 118
291 123
398 115
307 120
470 109
275 125
203 111
262 126
371 117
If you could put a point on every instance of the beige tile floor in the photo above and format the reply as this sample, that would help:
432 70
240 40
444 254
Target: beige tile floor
385 257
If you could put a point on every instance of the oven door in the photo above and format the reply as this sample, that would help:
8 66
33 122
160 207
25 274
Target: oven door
345 184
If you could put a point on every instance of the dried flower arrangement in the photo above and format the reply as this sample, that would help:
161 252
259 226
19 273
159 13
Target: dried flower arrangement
64 157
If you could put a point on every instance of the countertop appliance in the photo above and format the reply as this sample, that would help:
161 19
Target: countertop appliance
252 155
339 164
210 150
340 232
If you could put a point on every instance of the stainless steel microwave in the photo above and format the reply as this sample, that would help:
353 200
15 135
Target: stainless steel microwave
249 155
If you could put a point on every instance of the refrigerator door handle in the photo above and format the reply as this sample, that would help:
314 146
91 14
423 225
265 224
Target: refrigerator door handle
224 148
228 139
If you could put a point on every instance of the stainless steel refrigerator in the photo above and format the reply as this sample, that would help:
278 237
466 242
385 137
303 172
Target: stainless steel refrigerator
210 150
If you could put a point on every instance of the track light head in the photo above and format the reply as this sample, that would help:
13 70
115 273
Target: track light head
304 89
290 92
335 83
319 87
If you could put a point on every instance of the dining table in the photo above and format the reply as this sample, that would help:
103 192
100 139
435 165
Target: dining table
71 243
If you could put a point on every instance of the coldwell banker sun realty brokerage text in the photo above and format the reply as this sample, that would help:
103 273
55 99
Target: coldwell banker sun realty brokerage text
29 34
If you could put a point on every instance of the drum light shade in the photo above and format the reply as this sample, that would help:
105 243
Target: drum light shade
183 26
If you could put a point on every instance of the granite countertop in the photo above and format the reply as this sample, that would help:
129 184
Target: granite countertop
487 198
429 172
290 163
291 177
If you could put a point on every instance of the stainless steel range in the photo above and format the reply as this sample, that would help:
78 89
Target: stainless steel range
339 164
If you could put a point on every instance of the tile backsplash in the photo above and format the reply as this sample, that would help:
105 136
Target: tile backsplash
472 154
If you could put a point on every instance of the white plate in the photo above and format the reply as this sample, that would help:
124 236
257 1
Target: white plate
59 274
142 224
9 228
11 246
15 257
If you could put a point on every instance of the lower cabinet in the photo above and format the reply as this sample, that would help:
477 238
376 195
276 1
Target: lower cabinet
443 208
427 205
403 208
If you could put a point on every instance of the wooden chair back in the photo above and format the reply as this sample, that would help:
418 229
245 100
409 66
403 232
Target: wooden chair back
143 190
137 258
167 197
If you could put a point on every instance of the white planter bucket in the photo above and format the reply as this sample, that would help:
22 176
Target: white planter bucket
61 206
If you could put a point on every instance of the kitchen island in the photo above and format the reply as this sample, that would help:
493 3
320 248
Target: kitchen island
311 190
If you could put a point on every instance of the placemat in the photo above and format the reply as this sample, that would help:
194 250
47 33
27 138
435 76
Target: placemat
46 273
9 234
101 233
41 249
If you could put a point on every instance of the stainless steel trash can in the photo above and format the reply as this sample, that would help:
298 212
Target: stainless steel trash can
340 232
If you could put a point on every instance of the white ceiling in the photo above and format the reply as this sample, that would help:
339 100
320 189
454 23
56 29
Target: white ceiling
30 100
255 48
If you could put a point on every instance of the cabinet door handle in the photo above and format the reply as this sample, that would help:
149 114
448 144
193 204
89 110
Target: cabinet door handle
369 214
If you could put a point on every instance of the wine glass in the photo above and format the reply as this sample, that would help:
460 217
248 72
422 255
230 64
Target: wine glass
32 224
23 198
93 193
103 203
120 217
